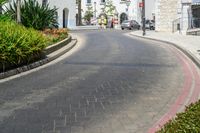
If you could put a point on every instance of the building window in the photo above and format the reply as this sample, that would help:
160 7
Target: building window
88 1
195 15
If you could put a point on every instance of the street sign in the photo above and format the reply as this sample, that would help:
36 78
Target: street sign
141 4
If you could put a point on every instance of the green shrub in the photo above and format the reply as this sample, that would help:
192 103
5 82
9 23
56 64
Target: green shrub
2 2
18 44
5 17
35 15
55 35
186 122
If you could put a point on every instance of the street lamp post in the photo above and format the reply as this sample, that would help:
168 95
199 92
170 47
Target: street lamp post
128 2
95 9
143 18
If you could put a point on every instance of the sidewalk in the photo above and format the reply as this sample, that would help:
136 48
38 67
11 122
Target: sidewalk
87 27
190 45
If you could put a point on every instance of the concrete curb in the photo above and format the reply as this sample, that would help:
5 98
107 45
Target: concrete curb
81 28
52 56
57 46
186 52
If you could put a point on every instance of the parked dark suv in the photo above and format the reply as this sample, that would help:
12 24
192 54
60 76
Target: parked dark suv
130 24
150 24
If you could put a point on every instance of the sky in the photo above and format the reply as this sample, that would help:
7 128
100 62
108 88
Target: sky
195 1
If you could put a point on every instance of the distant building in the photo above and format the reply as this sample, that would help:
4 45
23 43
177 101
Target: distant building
177 15
166 13
125 9
150 9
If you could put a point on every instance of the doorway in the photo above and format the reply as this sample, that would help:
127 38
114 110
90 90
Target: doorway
123 17
65 17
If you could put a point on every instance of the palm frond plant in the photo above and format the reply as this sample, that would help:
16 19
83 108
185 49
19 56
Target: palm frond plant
2 2
3 15
35 15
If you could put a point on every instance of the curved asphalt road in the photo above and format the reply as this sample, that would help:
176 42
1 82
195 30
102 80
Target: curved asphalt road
113 84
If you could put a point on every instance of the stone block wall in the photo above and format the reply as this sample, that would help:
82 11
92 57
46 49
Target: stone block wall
166 13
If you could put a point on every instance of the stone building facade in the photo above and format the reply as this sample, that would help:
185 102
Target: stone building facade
166 12
177 15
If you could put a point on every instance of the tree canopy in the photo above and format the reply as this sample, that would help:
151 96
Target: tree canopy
109 8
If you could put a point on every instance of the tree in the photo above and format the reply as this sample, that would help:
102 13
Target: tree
88 14
79 12
109 8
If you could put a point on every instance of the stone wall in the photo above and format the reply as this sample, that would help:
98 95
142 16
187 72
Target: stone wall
166 13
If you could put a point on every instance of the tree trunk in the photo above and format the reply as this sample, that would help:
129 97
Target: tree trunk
79 13
18 11
1 9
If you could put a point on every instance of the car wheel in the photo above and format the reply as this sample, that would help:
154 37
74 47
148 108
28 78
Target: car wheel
122 28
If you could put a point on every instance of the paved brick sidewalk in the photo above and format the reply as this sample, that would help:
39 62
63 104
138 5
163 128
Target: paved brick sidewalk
190 44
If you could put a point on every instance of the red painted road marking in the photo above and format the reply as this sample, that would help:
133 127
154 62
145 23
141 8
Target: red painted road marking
196 91
190 72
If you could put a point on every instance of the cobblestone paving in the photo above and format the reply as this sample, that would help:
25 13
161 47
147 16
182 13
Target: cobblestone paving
88 93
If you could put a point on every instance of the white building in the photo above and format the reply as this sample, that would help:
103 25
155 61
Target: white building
66 11
125 9
150 9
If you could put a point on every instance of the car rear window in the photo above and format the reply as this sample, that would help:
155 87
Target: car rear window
126 21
